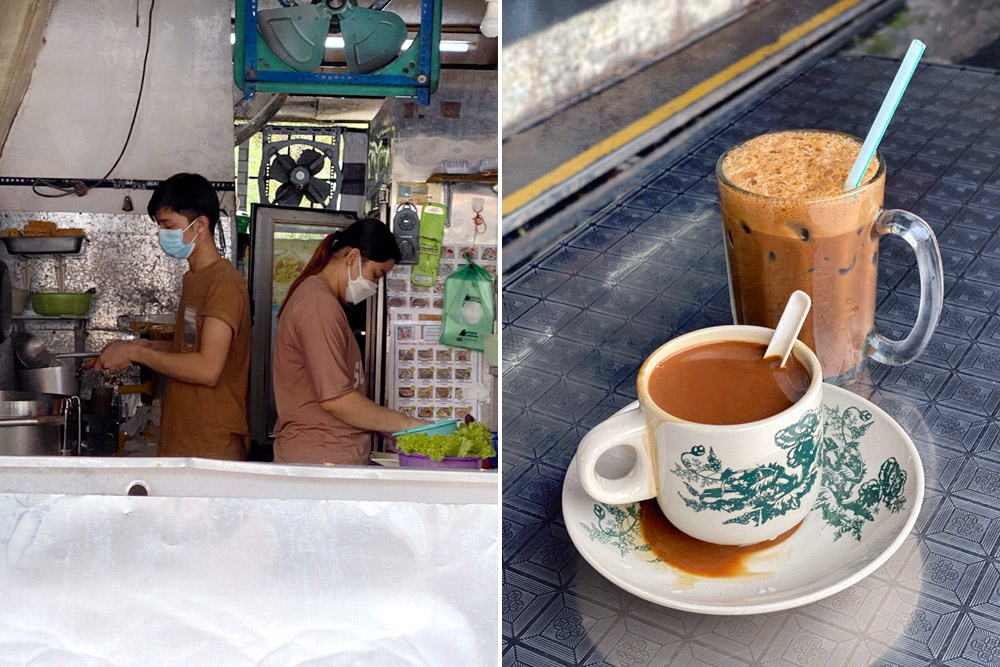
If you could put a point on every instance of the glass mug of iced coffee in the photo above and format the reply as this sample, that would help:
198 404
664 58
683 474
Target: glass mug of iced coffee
789 225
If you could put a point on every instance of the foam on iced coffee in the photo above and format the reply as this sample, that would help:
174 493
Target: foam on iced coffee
813 238
795 164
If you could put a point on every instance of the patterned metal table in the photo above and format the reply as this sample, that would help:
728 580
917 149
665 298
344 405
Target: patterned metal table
578 321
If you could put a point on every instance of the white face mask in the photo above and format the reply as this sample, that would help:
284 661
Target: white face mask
360 288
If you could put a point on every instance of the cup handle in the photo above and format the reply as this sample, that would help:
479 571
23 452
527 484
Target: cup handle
919 235
626 429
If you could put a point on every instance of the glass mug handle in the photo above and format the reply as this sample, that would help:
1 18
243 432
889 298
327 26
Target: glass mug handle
919 235
627 429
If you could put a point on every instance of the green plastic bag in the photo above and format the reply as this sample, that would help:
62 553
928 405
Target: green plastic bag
468 307
432 221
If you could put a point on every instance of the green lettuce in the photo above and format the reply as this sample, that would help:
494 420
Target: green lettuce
471 440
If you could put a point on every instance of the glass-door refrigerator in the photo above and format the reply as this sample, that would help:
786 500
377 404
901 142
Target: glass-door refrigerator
282 241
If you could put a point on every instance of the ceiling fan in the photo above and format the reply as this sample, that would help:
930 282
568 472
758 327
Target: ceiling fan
297 33
282 49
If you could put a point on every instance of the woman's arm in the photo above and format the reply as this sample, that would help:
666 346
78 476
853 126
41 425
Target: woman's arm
359 411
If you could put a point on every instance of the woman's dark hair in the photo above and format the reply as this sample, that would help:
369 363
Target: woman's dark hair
370 235
191 195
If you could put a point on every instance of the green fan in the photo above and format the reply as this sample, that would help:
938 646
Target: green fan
297 34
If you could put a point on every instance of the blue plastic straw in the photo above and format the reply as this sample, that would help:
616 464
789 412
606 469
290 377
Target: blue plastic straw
889 104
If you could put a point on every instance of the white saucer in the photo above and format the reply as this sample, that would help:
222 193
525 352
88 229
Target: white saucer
810 565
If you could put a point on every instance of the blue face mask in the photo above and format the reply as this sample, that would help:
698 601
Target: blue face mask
172 242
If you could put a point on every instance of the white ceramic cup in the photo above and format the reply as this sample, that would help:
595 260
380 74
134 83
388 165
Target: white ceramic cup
725 484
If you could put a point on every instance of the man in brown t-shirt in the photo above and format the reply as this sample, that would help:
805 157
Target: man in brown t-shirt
206 364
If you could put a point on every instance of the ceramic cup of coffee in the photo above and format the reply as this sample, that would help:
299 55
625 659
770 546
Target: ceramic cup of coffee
726 441
789 225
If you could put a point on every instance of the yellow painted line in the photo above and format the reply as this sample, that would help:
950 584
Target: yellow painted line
630 132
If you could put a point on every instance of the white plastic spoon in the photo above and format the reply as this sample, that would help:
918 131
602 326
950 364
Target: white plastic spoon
788 327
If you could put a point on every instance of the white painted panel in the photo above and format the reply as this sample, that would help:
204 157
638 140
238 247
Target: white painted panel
75 116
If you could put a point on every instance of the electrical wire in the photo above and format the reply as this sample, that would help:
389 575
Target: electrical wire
219 230
79 187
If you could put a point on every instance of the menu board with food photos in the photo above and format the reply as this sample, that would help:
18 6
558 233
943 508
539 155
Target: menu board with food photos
428 380
402 293
424 378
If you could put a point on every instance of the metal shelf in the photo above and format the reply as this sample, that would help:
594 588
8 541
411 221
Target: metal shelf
67 318
44 245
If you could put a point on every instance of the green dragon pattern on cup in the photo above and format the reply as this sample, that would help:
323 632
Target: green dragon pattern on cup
618 526
754 495
847 501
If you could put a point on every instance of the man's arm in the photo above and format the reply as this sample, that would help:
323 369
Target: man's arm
161 345
359 411
202 367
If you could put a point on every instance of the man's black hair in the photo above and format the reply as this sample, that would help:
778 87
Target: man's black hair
191 195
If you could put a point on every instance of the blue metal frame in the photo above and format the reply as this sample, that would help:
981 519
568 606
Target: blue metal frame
420 84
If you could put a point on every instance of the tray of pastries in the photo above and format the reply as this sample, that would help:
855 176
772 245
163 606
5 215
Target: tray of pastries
40 236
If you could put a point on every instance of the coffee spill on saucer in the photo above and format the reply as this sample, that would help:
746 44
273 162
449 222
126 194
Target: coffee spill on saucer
694 557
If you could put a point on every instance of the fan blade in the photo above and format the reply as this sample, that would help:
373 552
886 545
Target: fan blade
297 34
372 39
281 168
317 191
288 195
312 160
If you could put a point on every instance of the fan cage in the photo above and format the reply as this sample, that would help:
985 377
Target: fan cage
294 142
253 157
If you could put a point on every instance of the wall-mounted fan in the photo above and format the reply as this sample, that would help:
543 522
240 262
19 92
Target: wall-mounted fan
297 34
296 170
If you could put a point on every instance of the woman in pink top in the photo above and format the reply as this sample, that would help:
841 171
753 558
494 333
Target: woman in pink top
324 414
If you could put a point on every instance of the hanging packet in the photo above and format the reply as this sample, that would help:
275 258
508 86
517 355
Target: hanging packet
467 314
432 220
